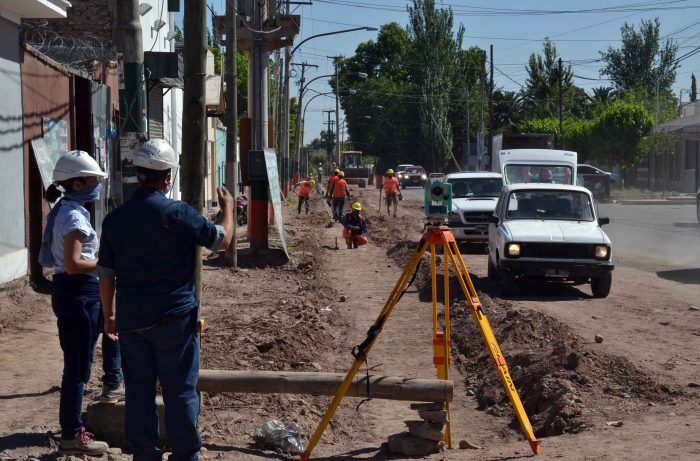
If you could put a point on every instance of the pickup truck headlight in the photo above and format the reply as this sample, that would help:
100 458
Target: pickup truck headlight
454 217
513 250
423 177
602 252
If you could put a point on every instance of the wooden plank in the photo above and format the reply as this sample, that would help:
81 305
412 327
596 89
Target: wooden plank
310 383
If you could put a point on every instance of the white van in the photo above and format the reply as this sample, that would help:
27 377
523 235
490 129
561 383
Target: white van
522 166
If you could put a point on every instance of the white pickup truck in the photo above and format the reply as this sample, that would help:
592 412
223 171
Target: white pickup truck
545 227
474 197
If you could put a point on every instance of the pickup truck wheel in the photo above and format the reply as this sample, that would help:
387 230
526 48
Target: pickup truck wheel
491 274
506 281
403 185
600 286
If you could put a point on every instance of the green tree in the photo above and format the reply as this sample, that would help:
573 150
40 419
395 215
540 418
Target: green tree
381 96
434 67
507 109
541 93
693 88
642 60
618 131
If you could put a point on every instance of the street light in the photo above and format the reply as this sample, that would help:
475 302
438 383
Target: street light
370 29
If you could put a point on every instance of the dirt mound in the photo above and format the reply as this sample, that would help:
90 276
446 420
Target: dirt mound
561 380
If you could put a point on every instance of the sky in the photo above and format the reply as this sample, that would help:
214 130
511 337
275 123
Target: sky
515 28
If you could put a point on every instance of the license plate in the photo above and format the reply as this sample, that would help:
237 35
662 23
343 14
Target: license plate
556 273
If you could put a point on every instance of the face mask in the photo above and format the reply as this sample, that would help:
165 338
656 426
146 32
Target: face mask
91 194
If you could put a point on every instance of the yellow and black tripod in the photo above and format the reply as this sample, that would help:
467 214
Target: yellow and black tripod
433 237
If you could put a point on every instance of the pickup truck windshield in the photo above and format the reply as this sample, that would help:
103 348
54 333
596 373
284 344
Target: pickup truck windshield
475 187
549 204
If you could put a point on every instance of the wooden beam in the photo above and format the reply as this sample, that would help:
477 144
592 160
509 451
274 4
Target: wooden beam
310 383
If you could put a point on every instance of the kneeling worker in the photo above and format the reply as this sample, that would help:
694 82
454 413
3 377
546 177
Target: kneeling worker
354 227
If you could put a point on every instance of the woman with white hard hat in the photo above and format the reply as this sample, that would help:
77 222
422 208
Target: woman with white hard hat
69 246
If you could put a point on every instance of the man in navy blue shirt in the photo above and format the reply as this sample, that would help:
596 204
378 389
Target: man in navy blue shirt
147 257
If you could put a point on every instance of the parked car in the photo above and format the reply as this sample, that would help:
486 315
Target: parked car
412 176
596 180
474 197
551 232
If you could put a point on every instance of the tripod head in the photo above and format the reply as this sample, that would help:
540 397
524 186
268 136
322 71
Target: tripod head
437 199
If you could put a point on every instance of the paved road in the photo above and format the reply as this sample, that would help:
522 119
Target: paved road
654 237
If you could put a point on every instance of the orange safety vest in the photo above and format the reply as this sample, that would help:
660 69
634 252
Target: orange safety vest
331 181
305 189
391 186
339 188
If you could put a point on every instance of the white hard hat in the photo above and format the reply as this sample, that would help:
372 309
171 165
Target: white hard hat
156 154
76 164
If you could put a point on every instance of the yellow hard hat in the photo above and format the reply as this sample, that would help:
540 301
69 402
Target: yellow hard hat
312 183
341 174
389 171
357 206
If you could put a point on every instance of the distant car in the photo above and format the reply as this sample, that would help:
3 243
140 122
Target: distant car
596 180
551 232
474 197
401 168
412 176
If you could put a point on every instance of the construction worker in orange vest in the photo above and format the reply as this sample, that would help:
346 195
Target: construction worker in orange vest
392 192
307 187
338 192
331 180
354 227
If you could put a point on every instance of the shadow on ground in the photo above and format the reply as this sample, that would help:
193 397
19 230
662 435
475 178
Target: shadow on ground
687 276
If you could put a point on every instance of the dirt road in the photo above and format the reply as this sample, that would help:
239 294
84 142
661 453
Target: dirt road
293 317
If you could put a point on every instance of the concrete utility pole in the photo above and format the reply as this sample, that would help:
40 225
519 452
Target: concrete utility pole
130 45
285 135
231 72
328 135
480 136
257 105
194 123
336 60
297 125
561 107
491 114
466 155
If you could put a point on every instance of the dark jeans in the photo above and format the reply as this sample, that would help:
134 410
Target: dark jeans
76 302
303 200
338 204
168 351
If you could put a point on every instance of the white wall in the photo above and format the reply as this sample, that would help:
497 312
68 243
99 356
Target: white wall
13 251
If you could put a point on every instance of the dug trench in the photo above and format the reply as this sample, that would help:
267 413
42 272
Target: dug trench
306 315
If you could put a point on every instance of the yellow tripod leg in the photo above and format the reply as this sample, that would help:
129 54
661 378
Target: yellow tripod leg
495 351
446 344
360 357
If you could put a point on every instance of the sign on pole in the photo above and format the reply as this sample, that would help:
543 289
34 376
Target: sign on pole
275 194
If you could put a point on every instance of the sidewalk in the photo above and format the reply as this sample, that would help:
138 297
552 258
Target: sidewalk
676 200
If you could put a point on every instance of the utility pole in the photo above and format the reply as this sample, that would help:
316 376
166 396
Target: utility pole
130 45
194 124
480 136
232 124
561 115
285 129
330 143
336 60
466 155
491 114
297 125
257 104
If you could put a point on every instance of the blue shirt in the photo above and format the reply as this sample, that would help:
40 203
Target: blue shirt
351 220
72 216
148 245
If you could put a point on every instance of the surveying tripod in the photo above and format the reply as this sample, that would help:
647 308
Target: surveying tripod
435 235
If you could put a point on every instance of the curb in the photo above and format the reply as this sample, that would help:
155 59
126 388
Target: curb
670 201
